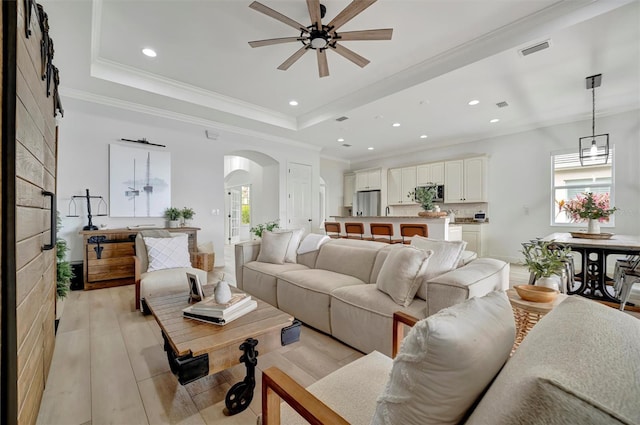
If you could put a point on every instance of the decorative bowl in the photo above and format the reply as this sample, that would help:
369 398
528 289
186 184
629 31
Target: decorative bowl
536 294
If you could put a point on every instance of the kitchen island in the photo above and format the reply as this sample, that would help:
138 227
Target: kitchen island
438 227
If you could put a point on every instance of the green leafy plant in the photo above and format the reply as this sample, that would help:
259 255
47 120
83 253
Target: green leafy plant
187 213
269 226
172 213
64 274
545 258
424 196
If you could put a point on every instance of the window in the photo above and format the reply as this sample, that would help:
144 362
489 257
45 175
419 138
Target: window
570 179
246 205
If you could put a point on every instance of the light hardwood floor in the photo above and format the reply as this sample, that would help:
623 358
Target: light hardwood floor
109 366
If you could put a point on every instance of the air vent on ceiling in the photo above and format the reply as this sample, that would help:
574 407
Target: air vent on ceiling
535 48
502 104
346 145
342 118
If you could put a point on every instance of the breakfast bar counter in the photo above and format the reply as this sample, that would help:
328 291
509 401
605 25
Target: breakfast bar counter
438 227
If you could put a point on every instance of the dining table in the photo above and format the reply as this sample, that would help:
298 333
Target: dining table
592 281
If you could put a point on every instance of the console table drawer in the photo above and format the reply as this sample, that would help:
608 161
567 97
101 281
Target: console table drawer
110 250
110 268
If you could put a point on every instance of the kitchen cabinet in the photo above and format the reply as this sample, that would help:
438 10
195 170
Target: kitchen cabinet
369 179
475 236
401 181
455 233
349 188
430 173
465 180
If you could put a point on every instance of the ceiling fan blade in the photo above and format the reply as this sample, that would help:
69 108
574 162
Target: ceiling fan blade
278 16
294 57
351 55
323 66
381 34
349 12
269 42
314 12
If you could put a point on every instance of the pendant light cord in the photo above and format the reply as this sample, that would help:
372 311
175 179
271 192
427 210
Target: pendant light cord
593 104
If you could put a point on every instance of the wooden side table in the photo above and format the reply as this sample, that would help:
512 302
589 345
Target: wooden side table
528 313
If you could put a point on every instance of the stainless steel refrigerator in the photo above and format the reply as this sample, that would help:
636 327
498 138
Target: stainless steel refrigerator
367 203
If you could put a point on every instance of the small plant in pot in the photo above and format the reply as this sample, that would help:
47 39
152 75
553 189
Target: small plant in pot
187 215
269 226
424 196
546 261
173 216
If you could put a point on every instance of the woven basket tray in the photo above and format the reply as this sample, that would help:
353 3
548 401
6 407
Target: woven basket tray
431 214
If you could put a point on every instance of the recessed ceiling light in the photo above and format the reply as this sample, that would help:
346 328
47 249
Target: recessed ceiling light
149 52
494 120
424 136
293 102
341 140
396 124
474 102
370 148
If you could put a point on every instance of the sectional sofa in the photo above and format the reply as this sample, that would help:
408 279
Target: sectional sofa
335 288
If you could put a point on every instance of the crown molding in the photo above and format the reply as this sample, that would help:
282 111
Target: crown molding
164 113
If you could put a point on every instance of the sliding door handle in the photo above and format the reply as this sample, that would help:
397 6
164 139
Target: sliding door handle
53 223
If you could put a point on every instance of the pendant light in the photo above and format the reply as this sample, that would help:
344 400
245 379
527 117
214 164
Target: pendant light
594 149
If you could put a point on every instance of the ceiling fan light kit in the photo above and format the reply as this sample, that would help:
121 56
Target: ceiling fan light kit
594 149
320 37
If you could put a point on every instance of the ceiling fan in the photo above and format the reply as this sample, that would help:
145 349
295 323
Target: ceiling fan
321 37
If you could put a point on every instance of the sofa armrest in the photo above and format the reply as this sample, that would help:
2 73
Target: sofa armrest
475 279
245 253
277 386
399 320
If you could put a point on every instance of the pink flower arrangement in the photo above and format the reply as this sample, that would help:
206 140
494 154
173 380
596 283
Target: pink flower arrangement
589 205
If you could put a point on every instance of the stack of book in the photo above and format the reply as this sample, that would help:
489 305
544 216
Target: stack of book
208 310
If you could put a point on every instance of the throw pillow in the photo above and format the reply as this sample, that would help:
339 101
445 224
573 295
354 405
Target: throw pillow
402 273
446 255
167 253
447 361
292 248
273 248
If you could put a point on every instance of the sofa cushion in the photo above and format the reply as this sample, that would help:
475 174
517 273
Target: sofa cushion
305 294
259 279
274 247
294 242
362 316
446 255
578 365
402 273
446 362
355 261
367 375
167 253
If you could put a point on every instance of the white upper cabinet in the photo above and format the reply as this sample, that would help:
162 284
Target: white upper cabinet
400 181
465 180
349 188
369 180
430 173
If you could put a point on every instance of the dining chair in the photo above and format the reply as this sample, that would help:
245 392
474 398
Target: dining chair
627 275
385 230
333 229
409 230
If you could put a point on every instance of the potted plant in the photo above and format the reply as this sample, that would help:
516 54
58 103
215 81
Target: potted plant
173 216
258 229
187 216
424 196
591 207
64 274
546 261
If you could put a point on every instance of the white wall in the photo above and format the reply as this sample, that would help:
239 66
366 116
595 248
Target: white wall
197 174
332 172
520 178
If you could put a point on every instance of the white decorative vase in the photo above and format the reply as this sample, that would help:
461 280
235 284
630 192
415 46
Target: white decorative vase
222 293
593 226
552 282
186 223
174 223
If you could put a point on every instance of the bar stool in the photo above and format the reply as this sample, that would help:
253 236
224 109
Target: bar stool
383 229
333 229
409 230
354 231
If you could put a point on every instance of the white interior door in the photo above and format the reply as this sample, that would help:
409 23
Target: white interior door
299 197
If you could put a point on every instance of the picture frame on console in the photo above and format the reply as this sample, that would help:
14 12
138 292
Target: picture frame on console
195 287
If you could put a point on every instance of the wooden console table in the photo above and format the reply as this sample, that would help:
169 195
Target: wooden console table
108 255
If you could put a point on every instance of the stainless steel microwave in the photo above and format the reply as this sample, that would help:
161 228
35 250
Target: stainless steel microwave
439 192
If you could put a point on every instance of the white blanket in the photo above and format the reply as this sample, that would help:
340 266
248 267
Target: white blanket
312 242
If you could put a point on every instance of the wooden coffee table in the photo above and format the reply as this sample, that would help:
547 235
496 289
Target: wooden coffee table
196 349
